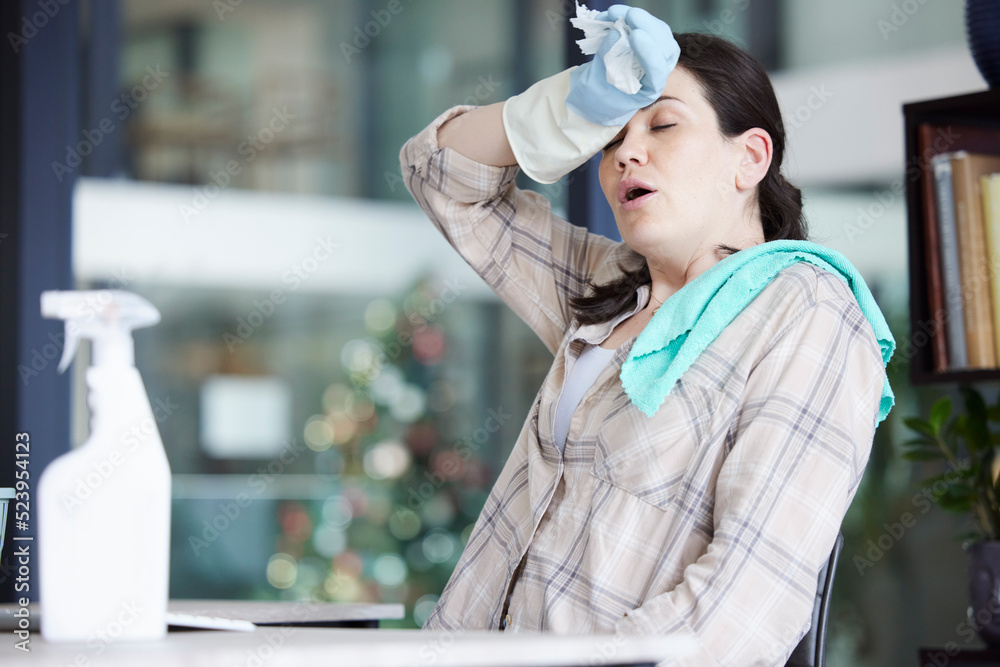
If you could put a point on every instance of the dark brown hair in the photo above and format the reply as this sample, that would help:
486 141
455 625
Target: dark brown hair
740 92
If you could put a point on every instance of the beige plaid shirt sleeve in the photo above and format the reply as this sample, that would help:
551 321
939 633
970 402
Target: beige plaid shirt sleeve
532 259
709 520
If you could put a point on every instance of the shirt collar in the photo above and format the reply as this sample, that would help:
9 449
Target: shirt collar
596 333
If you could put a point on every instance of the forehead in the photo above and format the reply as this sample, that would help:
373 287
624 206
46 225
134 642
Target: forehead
686 91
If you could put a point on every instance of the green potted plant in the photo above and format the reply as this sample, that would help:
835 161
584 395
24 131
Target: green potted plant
965 445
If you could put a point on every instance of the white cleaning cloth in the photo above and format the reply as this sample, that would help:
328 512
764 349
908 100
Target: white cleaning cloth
622 67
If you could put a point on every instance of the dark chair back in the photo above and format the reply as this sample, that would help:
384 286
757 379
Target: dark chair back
811 651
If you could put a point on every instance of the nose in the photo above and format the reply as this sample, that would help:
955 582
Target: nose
631 150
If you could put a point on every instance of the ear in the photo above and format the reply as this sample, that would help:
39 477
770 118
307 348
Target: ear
754 149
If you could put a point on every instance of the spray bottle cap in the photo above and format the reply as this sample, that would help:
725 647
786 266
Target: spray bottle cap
107 317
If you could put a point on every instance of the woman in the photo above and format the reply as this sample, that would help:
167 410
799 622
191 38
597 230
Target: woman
709 512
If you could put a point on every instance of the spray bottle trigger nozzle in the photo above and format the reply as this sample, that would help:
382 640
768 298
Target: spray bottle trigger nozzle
69 350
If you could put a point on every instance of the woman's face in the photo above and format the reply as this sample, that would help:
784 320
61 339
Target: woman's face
669 175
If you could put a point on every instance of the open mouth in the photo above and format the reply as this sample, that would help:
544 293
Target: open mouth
633 192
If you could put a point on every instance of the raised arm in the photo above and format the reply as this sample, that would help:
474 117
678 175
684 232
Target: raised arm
480 136
460 170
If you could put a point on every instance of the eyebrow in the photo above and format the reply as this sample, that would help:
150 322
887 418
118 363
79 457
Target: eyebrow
661 98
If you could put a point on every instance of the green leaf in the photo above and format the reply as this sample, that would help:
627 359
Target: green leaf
923 455
955 502
960 489
922 442
940 413
952 476
919 425
977 432
958 498
956 493
974 403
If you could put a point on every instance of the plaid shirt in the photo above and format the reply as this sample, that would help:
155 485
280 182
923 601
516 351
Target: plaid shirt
709 520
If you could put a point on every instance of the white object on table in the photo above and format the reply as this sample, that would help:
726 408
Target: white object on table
208 622
265 612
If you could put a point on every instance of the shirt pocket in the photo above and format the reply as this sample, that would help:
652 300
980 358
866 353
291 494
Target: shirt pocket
650 457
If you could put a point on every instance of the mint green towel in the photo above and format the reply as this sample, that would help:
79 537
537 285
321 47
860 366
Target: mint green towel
696 314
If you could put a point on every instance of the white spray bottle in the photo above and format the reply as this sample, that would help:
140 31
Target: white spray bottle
104 507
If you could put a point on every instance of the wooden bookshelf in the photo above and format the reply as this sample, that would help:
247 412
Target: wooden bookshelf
976 110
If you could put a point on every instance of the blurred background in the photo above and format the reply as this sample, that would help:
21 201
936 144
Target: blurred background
335 389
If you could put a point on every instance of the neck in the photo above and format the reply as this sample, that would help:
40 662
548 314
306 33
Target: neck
668 277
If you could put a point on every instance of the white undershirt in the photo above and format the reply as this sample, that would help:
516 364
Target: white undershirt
590 363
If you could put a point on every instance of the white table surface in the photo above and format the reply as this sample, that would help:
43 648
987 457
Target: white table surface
255 611
286 613
348 647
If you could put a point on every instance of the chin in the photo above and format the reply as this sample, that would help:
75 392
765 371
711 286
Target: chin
642 246
642 228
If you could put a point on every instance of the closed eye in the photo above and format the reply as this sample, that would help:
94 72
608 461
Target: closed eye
613 142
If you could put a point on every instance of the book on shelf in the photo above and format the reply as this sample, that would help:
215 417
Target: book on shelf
989 193
927 134
976 266
990 187
948 256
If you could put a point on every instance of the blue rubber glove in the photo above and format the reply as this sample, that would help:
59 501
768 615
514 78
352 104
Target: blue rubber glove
652 43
